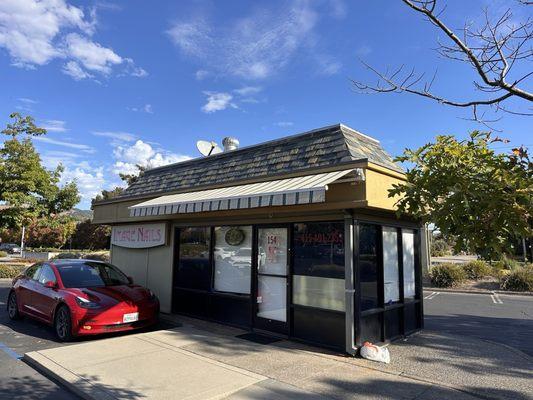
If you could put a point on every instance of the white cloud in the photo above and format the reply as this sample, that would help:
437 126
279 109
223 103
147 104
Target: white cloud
284 124
142 153
248 90
253 47
116 135
147 108
54 125
201 74
363 50
217 101
83 147
329 66
90 181
91 55
27 100
73 69
36 32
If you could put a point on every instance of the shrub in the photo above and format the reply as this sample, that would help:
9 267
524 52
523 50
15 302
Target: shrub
440 248
3 253
518 280
476 269
64 255
506 263
90 236
9 271
97 256
446 275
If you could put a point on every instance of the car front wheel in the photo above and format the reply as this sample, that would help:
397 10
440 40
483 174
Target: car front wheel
63 324
12 306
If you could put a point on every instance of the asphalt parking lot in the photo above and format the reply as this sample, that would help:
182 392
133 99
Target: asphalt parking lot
501 318
17 379
506 319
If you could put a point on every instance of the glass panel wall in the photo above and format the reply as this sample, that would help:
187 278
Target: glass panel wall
318 279
193 268
408 247
368 265
391 273
233 259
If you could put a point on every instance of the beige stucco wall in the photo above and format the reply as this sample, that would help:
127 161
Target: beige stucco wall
150 267
377 189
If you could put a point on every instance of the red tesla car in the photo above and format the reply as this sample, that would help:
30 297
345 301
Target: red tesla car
81 297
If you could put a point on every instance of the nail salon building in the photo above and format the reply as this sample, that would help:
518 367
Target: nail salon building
295 237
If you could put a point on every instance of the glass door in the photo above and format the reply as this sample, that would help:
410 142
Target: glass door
272 279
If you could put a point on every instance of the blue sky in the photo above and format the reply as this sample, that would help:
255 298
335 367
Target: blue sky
120 83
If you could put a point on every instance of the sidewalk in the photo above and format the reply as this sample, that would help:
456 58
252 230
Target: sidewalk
203 360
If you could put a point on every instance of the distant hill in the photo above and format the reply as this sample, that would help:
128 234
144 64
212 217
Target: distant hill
79 215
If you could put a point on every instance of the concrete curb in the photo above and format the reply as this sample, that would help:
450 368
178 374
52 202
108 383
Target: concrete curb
71 381
476 291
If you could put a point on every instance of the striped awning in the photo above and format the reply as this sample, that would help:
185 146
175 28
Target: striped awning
281 192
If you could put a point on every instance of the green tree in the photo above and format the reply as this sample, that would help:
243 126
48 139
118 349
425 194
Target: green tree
90 236
481 198
50 231
108 194
128 178
27 188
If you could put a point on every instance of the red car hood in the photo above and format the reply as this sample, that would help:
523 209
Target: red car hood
110 295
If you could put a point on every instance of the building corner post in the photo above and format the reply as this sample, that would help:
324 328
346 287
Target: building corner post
349 284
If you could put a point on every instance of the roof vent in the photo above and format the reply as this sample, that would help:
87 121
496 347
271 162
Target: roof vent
230 143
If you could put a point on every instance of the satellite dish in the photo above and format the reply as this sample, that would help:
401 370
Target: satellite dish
208 148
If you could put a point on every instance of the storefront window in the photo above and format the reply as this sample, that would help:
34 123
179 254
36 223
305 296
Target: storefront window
233 259
193 265
368 265
408 245
318 279
390 265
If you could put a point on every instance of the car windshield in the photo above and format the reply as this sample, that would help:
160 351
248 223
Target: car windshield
91 274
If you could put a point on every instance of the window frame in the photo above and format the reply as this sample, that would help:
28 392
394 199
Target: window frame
382 309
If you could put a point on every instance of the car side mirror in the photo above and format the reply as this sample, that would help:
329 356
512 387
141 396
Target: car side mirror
50 284
130 280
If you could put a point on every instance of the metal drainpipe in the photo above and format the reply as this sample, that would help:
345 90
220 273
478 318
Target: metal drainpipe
349 290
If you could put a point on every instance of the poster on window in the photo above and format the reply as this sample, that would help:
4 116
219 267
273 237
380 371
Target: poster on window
273 251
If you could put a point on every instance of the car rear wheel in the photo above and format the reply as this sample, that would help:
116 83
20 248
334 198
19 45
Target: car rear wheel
63 324
12 306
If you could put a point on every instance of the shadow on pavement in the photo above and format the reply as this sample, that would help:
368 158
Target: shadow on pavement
25 388
514 332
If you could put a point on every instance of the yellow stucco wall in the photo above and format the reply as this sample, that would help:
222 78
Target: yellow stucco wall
377 189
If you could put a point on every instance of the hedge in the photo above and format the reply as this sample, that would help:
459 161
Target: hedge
518 280
446 275
477 269
9 271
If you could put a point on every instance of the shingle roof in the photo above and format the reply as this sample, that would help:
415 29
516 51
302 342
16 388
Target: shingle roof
320 148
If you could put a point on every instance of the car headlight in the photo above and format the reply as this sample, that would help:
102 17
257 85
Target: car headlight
84 303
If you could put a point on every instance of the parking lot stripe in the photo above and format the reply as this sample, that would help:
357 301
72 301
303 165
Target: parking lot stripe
9 352
431 296
497 298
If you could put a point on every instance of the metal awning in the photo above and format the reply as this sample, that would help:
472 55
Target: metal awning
281 192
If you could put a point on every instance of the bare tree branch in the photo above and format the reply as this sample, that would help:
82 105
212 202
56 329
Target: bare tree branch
492 50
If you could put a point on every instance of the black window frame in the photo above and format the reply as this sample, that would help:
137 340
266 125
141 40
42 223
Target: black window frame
382 309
